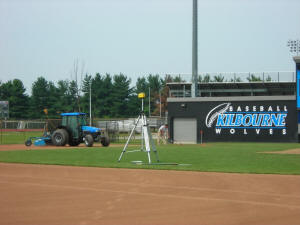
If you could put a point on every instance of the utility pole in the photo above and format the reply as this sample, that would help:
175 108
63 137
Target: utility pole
159 103
149 103
90 103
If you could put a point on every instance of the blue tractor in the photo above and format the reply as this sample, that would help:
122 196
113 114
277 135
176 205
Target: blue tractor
73 130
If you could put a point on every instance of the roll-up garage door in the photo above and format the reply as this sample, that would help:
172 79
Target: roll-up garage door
185 130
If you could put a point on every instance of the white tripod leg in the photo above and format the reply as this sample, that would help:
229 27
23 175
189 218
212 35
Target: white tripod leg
146 137
131 133
142 140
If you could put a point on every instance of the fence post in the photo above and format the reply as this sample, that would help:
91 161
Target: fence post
1 130
293 77
24 134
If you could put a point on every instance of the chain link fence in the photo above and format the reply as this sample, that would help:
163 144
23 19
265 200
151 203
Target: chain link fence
118 130
17 131
20 125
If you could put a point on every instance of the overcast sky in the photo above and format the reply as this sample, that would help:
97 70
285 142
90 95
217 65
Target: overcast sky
137 37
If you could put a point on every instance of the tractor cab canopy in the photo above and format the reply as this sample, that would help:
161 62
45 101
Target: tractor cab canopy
73 119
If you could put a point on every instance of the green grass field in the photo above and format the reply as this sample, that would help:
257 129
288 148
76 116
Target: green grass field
217 157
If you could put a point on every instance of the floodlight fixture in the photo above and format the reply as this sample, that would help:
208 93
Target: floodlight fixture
294 46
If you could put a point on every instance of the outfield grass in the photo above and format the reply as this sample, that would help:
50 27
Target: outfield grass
217 157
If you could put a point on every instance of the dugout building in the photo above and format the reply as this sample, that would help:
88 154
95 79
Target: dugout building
235 111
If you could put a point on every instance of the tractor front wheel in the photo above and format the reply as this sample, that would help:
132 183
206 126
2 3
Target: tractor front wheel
28 142
60 137
89 140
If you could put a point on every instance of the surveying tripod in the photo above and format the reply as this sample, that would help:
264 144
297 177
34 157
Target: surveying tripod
146 135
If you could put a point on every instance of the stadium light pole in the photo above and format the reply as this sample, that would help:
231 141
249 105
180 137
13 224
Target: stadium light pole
195 51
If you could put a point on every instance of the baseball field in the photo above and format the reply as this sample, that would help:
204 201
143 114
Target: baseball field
213 183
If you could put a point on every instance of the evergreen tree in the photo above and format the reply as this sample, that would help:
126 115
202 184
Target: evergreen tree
63 97
109 98
73 98
62 94
236 79
120 95
141 86
155 85
14 92
178 79
40 97
219 78
268 79
98 95
206 79
85 99
253 78
161 102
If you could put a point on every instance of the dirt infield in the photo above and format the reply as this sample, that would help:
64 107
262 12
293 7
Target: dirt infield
288 152
41 194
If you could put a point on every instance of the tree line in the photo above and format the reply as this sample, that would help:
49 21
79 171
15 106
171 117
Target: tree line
112 96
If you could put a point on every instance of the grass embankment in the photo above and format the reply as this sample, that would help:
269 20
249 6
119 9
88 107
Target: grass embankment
217 157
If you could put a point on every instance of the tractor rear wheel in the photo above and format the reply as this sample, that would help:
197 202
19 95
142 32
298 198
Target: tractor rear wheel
89 140
60 137
105 141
